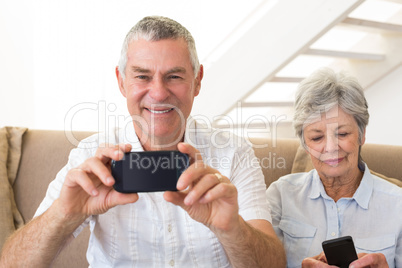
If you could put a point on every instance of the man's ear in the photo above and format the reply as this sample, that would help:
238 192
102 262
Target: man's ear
198 79
120 81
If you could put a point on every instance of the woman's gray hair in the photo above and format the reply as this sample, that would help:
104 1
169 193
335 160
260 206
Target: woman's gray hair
155 28
323 90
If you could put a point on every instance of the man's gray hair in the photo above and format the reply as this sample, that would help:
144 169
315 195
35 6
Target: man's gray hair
323 90
155 28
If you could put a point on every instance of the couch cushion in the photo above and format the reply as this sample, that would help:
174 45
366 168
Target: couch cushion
44 153
10 154
275 156
302 163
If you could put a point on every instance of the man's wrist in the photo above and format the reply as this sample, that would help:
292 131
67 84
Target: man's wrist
235 229
59 217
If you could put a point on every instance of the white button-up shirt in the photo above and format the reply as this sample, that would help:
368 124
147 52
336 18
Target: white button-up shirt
303 216
155 233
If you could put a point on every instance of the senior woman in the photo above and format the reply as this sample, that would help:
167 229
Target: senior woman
339 196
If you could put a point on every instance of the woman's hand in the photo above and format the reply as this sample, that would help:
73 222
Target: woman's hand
319 261
365 260
371 260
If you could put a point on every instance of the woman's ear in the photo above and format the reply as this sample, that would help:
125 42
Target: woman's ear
120 81
363 139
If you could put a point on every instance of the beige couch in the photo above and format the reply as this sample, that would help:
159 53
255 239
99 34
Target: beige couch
45 152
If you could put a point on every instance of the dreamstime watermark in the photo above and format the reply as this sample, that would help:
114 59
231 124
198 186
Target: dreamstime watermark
227 133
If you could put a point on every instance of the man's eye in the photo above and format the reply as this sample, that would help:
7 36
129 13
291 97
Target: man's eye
142 77
174 77
342 134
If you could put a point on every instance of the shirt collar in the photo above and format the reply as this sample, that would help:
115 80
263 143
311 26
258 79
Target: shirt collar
365 189
361 196
317 189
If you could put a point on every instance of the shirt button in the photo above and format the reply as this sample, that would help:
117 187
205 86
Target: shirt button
171 262
333 233
169 228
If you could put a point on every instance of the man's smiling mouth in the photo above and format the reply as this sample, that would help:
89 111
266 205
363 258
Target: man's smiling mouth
160 111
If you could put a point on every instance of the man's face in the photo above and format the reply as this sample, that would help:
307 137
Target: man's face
160 86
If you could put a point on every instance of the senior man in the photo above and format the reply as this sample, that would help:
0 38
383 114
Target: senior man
218 217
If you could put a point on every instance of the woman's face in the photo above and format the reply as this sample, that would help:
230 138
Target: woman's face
333 143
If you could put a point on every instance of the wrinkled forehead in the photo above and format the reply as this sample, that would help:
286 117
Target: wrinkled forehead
330 117
166 51
321 114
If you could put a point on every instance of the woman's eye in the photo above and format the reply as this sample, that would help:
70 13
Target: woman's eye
342 134
316 138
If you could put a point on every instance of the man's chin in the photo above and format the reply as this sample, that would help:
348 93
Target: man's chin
168 136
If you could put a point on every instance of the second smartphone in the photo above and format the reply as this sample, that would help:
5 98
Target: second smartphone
340 251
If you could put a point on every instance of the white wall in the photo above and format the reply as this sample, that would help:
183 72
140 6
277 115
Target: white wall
16 64
385 107
57 57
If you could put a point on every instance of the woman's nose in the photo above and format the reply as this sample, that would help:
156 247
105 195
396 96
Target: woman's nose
331 143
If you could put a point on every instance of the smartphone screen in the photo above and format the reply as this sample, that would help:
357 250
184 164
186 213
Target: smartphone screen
340 251
149 171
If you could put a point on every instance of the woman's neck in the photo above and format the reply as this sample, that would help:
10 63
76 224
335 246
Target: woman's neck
345 186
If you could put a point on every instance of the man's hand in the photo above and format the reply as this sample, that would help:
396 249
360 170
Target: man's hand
211 199
207 196
88 189
372 260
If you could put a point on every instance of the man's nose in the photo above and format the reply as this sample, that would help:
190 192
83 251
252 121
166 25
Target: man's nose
158 89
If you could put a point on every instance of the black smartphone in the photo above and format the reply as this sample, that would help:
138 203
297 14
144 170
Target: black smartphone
340 251
150 171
